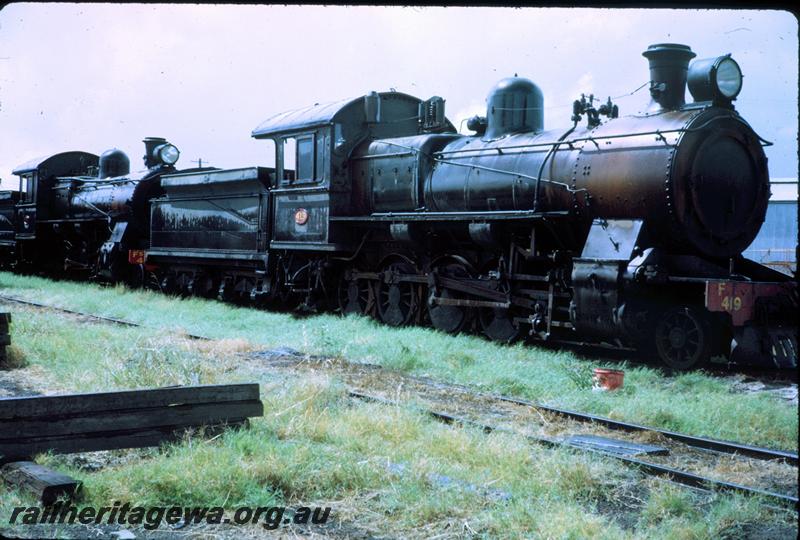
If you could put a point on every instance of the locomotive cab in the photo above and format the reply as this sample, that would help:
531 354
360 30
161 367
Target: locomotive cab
8 203
37 177
80 212
316 150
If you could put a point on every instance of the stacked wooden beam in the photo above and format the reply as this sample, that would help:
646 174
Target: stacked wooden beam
48 485
5 336
111 420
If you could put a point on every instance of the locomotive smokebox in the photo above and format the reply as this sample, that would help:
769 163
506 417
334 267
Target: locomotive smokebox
114 163
514 105
669 65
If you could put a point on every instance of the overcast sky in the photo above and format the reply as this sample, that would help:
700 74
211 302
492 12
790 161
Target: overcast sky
95 76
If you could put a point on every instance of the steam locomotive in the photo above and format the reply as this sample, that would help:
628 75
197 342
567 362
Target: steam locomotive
626 231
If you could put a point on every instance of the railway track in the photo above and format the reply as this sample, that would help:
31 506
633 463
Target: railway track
600 352
702 445
112 320
682 477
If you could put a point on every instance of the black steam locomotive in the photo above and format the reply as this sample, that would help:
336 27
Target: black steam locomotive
620 230
79 213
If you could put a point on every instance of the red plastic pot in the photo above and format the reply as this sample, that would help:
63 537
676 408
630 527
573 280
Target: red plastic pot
609 379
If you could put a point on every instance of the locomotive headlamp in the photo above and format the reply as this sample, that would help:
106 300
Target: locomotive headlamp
714 79
167 153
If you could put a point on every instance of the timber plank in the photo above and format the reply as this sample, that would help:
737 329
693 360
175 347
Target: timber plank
33 406
47 485
123 419
5 337
13 451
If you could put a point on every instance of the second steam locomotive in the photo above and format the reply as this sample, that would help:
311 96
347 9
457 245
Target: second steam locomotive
626 231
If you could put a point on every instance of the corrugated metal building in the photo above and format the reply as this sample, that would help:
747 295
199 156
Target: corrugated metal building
776 243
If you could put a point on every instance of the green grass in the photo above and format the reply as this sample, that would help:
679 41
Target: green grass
325 447
92 357
315 446
694 403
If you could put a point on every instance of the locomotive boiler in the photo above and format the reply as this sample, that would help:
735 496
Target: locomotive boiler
625 231
696 175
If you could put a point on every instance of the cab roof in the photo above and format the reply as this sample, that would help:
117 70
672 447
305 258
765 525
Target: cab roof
53 159
350 110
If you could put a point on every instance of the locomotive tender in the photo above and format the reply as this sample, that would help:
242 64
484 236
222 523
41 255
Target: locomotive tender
626 230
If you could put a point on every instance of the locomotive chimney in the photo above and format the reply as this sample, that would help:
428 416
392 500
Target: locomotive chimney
150 144
669 64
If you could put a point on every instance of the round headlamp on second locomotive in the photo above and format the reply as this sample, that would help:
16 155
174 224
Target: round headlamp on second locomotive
715 79
158 152
167 153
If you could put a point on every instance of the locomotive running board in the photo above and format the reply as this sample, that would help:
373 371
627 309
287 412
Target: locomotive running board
229 254
451 216
306 246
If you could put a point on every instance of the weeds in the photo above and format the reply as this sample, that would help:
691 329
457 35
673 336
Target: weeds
580 374
696 403
668 501
314 444
14 358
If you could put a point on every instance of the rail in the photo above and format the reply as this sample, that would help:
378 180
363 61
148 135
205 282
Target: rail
676 475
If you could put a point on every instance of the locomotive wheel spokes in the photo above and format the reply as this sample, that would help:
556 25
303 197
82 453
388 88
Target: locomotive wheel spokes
152 281
168 284
683 338
498 324
448 318
203 286
356 295
397 301
136 277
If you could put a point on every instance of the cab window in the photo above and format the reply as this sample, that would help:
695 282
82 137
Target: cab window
28 185
270 156
299 159
305 158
